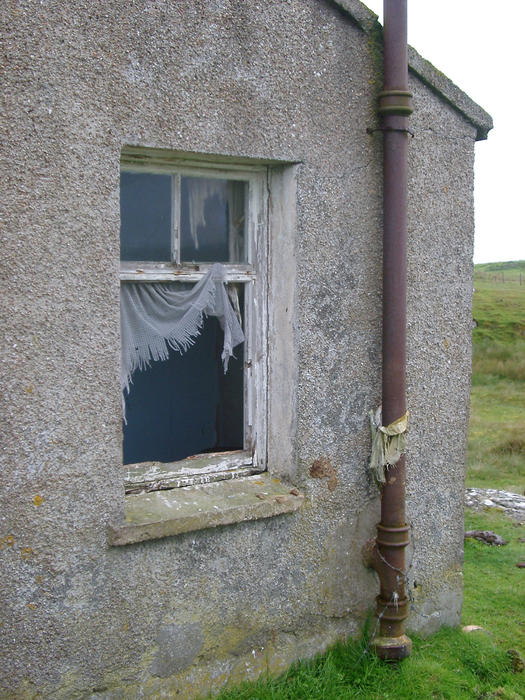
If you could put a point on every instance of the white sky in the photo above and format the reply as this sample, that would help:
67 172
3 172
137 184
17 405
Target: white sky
479 45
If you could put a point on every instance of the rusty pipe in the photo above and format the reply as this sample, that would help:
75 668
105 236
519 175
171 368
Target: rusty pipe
392 532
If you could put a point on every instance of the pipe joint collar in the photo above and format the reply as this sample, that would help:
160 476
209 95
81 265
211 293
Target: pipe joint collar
395 537
397 102
392 648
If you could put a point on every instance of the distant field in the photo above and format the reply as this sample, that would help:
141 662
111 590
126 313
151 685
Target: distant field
496 456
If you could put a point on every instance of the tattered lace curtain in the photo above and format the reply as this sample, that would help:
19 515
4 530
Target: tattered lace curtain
159 316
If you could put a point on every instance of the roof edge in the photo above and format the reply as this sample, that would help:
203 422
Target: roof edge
451 93
359 13
437 81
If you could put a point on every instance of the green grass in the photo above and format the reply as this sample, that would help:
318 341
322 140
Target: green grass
494 585
453 664
496 455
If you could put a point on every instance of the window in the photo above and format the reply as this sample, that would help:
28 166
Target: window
186 420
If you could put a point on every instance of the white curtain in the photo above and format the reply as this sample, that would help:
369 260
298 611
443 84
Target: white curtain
157 316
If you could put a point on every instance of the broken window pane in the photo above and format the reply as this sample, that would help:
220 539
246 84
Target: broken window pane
186 405
212 220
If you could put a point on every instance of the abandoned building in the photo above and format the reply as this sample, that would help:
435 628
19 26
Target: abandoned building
169 527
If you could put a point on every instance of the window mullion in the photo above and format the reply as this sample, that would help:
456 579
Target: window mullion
175 218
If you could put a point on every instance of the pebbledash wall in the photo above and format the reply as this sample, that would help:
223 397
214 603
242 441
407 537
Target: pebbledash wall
291 85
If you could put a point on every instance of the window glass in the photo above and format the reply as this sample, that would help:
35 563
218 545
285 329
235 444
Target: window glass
212 220
145 215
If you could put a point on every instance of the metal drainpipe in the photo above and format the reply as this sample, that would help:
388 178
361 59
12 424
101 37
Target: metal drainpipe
387 553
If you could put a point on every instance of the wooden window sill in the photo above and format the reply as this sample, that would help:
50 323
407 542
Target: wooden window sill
172 512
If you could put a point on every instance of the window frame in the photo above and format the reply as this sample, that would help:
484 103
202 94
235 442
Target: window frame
252 459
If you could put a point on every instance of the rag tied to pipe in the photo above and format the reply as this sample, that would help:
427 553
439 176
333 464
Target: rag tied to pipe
157 316
388 444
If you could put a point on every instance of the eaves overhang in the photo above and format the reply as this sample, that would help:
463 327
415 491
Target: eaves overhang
437 81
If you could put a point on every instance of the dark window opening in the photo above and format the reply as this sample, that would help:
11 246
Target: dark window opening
186 405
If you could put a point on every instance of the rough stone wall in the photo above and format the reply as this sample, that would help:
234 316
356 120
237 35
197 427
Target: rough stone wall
439 281
293 81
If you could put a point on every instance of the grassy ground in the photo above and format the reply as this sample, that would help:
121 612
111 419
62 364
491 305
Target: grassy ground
453 664
496 457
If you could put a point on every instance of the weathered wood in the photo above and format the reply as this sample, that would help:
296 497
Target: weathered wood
254 274
486 536
201 468
173 483
142 271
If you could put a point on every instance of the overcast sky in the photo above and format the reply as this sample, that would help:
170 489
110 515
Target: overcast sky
479 45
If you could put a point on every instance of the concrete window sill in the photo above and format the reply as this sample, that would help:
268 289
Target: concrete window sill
164 513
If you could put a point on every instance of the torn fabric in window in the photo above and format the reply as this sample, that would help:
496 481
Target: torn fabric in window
159 316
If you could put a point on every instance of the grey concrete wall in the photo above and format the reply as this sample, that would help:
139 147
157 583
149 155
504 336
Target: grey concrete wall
441 238
293 81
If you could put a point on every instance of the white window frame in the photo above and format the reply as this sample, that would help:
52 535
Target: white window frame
205 468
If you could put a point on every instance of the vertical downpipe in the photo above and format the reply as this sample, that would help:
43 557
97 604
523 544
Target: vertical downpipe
392 532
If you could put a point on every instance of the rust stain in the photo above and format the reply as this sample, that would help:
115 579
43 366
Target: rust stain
322 469
26 553
7 541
